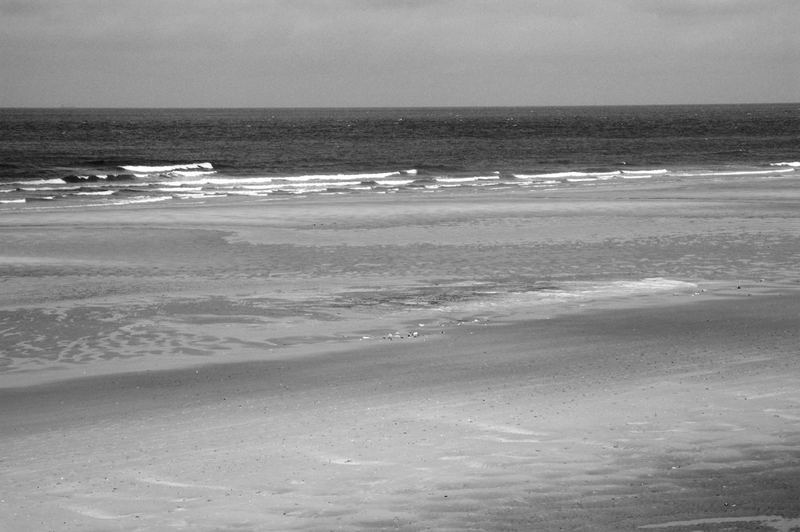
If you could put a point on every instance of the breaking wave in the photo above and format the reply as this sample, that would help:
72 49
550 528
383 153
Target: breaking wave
168 168
203 181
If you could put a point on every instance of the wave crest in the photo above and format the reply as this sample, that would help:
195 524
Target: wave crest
170 168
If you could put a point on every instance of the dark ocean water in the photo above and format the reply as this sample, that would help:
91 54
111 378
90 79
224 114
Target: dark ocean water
66 157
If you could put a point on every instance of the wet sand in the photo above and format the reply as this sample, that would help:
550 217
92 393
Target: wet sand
682 413
394 368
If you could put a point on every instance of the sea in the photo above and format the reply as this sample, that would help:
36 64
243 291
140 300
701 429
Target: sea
85 158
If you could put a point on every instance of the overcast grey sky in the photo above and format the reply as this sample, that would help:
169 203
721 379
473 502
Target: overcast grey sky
267 53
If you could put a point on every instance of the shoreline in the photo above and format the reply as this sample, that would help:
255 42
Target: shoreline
337 353
313 353
357 332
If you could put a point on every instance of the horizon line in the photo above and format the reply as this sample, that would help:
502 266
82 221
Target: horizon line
367 107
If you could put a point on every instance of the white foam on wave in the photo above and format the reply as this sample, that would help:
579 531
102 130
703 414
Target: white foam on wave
660 171
723 173
793 164
56 181
322 185
170 168
137 200
96 193
552 175
200 195
571 174
575 176
466 179
259 187
13 201
178 189
221 181
394 182
338 177
327 179
243 193
39 189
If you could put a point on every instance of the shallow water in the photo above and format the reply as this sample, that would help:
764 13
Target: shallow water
121 289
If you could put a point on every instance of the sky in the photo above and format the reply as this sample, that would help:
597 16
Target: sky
376 53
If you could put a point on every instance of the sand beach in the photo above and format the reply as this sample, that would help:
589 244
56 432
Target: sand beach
618 358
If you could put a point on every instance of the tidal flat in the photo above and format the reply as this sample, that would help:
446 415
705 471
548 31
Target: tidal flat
605 358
